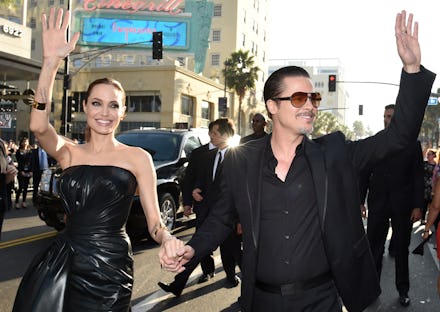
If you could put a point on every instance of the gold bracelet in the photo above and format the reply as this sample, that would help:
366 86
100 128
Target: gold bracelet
157 228
38 105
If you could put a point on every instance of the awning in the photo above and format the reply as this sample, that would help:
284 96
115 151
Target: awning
17 68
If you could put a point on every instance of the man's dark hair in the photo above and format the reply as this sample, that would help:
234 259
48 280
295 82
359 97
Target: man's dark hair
211 124
274 86
225 125
390 106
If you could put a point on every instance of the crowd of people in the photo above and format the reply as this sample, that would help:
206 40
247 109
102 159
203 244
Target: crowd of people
27 162
283 208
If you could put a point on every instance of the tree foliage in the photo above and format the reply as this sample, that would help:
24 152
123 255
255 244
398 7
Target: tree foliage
327 123
7 3
240 74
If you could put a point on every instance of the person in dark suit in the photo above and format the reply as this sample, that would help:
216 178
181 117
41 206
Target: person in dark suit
258 125
304 244
40 162
192 172
207 187
395 191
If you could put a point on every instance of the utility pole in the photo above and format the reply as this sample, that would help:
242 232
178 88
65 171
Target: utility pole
66 85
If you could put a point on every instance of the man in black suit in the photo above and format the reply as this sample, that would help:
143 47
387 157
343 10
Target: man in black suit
40 162
207 189
258 125
395 191
297 199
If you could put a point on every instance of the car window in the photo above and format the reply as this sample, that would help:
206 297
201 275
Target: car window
161 146
192 143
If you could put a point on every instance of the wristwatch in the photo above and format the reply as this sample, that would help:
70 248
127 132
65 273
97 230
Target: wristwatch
38 105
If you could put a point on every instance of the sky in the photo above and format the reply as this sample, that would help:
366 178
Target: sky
361 35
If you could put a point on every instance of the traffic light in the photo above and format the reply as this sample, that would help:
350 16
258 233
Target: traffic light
361 110
157 45
70 108
331 83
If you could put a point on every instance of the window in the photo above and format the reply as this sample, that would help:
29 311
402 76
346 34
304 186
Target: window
191 144
244 40
144 103
217 10
216 35
215 59
187 104
61 2
51 2
206 110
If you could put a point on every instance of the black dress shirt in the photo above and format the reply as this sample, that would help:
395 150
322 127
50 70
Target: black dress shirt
290 247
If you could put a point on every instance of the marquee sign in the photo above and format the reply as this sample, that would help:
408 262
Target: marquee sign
111 31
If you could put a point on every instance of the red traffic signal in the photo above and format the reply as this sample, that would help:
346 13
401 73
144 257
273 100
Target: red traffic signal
157 45
331 83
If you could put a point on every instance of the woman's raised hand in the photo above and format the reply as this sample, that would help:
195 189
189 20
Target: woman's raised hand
55 44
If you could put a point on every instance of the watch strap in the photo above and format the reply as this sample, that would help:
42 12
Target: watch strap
38 105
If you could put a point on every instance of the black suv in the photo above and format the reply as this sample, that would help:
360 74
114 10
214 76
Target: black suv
170 150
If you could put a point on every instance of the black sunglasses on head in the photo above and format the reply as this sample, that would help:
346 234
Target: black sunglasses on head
298 99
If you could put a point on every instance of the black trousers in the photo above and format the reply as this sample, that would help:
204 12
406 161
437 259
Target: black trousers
36 178
377 230
322 298
231 254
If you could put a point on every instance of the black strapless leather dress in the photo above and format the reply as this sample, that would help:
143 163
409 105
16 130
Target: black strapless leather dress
89 266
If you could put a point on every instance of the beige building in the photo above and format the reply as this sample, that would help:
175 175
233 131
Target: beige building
240 25
166 93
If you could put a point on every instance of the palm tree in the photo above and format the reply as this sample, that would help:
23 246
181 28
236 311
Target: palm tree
240 75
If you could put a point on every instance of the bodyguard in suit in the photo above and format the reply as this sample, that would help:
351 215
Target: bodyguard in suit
40 162
207 186
304 243
395 191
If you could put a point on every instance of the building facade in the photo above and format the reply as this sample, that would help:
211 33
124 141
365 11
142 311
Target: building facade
180 90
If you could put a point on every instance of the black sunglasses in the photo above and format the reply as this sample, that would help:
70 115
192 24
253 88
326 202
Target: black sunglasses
298 99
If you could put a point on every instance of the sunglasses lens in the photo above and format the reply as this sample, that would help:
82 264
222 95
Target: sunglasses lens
300 98
316 99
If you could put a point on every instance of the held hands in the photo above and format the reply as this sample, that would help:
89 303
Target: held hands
55 45
173 255
407 40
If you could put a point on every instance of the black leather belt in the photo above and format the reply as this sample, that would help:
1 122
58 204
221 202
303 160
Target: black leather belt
290 289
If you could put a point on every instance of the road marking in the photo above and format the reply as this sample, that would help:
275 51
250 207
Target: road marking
27 239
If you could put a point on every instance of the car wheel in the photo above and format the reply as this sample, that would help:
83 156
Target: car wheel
168 209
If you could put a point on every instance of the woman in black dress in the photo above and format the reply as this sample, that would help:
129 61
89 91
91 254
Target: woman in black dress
89 266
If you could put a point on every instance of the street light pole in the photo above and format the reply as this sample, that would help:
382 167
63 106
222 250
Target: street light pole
66 84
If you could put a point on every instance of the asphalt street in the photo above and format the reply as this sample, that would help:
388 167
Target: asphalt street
22 227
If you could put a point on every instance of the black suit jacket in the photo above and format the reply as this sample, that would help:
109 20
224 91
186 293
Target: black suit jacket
195 164
335 165
205 182
397 182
